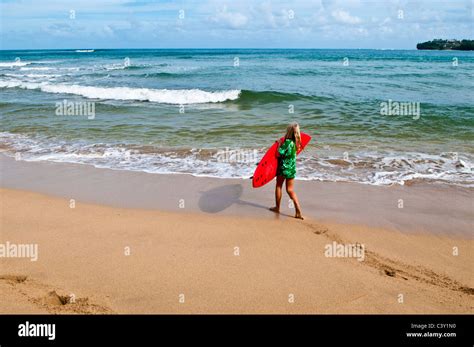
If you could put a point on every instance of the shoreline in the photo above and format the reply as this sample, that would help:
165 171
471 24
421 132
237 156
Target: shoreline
435 209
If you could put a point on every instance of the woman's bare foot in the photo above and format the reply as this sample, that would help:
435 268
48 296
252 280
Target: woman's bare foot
275 209
298 215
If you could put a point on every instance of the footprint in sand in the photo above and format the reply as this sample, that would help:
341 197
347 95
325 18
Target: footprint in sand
13 278
52 302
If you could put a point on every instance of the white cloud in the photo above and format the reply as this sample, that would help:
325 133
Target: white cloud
345 17
107 30
262 23
234 20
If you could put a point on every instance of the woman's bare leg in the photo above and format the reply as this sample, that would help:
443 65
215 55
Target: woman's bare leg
292 194
279 185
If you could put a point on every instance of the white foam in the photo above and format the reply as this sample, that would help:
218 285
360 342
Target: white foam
43 68
373 168
35 68
84 50
385 168
19 84
32 75
165 96
14 64
111 67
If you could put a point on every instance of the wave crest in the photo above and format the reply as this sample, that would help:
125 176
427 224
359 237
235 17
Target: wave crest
164 96
14 64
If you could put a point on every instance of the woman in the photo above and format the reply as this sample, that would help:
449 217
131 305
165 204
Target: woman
287 167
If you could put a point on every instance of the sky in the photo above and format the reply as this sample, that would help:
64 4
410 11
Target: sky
93 24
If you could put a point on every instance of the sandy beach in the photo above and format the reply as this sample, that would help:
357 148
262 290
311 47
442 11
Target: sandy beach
145 243
191 168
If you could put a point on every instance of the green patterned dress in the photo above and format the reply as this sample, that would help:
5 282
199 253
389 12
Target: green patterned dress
287 159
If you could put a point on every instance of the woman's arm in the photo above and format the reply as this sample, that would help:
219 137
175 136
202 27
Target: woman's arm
282 149
278 148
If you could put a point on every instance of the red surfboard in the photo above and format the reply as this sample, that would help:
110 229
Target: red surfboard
267 167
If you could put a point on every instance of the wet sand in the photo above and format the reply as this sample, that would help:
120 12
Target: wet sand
437 209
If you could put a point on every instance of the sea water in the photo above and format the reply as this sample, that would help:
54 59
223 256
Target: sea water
376 116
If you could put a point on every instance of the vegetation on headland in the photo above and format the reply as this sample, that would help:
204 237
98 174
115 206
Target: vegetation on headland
463 45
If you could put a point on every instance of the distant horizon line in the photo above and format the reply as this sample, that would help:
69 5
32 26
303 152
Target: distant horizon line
195 48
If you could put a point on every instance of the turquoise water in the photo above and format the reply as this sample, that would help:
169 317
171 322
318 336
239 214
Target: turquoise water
214 112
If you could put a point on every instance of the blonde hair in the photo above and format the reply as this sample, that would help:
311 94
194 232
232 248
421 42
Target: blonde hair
293 133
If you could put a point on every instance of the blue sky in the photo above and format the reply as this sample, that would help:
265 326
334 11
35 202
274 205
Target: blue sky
49 24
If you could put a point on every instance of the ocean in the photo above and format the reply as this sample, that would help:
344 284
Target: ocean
377 117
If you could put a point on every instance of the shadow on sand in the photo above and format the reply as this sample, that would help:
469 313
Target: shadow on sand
221 198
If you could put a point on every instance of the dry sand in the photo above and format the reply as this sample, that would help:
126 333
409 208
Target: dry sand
279 265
